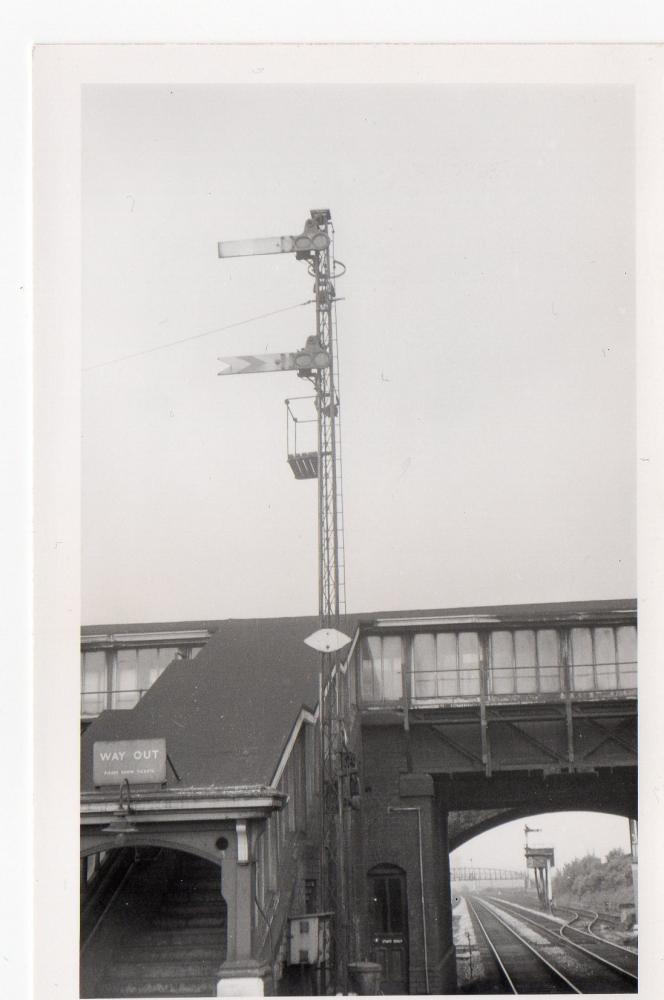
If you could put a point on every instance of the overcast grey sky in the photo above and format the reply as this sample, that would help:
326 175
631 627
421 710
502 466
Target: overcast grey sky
571 834
486 345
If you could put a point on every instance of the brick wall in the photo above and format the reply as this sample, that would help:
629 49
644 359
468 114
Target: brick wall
393 838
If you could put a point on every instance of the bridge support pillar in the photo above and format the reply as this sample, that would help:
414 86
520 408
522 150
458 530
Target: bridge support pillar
432 955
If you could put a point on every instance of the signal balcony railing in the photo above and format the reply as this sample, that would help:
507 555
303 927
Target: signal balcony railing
518 665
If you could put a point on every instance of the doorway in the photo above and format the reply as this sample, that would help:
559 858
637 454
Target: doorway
389 926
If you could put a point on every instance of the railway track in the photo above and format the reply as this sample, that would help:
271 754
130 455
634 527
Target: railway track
623 959
590 922
531 957
591 917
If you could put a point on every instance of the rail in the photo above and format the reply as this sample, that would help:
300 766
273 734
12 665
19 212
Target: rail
496 684
591 918
544 924
553 972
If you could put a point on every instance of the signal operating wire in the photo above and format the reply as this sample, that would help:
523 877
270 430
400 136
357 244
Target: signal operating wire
197 336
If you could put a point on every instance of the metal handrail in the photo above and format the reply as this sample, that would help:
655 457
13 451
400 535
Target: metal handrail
109 695
471 676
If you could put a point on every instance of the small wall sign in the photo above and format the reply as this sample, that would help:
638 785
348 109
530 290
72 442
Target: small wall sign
139 761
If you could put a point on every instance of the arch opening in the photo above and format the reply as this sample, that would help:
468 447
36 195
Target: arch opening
153 920
558 861
503 854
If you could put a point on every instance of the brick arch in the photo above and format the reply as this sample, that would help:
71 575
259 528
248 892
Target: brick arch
110 842
475 804
386 868
499 818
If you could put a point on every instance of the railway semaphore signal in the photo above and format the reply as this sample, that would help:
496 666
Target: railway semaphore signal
317 362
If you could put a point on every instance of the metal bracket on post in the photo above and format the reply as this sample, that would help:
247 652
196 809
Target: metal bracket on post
242 842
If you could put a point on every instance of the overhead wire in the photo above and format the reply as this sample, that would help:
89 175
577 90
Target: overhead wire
196 336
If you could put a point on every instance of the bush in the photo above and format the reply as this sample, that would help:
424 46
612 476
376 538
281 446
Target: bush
595 885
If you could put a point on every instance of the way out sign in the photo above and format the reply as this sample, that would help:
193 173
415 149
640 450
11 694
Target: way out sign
139 761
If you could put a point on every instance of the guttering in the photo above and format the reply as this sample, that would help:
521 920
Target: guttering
180 804
558 620
434 620
145 638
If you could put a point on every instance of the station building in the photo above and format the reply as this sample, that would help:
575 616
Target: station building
207 881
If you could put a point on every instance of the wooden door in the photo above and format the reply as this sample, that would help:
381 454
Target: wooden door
389 926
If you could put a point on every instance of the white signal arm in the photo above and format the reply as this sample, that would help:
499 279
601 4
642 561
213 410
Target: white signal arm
312 238
252 248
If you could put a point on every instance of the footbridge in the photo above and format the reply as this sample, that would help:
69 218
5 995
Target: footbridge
486 875
464 721
452 722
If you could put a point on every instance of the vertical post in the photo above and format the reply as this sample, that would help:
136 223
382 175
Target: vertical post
333 874
242 973
327 406
314 247
484 686
634 851
342 912
567 688
237 889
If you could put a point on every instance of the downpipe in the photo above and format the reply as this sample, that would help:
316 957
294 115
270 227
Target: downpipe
418 810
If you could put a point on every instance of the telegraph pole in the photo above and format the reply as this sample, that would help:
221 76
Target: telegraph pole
318 363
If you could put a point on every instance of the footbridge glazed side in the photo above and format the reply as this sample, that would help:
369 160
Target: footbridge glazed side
471 718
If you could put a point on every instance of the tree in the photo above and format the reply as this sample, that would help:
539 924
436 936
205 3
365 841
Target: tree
592 882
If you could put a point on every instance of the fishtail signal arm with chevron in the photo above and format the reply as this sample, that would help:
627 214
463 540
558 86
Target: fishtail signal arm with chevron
312 356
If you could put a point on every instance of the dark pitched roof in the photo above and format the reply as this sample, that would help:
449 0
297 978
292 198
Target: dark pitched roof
227 715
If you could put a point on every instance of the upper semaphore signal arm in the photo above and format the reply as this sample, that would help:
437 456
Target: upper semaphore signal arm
310 240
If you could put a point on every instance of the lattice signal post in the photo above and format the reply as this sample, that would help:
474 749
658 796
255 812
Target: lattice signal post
317 362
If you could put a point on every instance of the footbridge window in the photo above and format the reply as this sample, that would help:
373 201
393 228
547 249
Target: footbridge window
525 661
521 661
382 669
446 665
135 671
603 659
117 670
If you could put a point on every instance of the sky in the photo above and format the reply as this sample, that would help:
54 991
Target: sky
486 349
571 834
486 345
